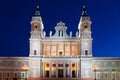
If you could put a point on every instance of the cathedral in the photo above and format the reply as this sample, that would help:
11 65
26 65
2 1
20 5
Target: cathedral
60 56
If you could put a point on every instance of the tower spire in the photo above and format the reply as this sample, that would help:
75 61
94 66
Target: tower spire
37 12
84 12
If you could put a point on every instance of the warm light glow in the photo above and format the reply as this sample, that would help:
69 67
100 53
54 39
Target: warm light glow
73 50
95 68
73 66
53 50
25 68
67 53
35 26
53 69
53 53
67 49
47 67
86 27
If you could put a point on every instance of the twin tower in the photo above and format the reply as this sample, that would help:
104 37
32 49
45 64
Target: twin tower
60 55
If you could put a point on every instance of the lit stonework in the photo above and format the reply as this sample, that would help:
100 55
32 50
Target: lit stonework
60 55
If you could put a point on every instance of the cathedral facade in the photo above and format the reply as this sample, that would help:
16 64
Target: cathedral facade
60 56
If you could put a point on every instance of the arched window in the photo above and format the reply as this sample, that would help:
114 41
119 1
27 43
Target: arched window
35 26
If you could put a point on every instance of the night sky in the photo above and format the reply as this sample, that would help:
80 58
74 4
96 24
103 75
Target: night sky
15 17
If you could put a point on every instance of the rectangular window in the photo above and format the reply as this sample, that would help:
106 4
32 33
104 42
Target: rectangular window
113 75
53 50
47 49
53 65
22 75
67 49
67 65
60 65
59 33
105 64
73 50
105 75
15 74
97 75
86 52
35 52
8 74
113 64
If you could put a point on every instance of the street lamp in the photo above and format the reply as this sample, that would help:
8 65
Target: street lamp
95 68
25 68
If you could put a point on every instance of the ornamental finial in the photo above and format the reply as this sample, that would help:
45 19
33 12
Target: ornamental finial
37 12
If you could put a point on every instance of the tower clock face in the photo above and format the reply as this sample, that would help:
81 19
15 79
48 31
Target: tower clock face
35 26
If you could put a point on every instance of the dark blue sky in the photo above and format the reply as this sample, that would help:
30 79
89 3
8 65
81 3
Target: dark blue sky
15 17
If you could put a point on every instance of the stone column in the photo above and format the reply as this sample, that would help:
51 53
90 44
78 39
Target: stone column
44 49
43 69
80 70
56 70
70 70
57 48
64 49
64 69
70 48
50 72
76 49
50 48
77 69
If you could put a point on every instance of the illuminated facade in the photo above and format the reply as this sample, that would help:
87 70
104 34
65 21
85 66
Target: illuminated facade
60 55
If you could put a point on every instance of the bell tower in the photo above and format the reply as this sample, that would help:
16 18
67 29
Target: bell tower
35 60
36 33
84 28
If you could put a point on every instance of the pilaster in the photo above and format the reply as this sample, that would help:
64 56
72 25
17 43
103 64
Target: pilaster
50 69
56 69
77 69
70 48
70 70
64 69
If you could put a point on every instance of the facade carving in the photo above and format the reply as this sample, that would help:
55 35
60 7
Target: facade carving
60 55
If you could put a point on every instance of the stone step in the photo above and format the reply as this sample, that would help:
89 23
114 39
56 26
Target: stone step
60 79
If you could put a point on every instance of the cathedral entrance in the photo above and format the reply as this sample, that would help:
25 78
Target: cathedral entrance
60 73
15 78
47 74
73 74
